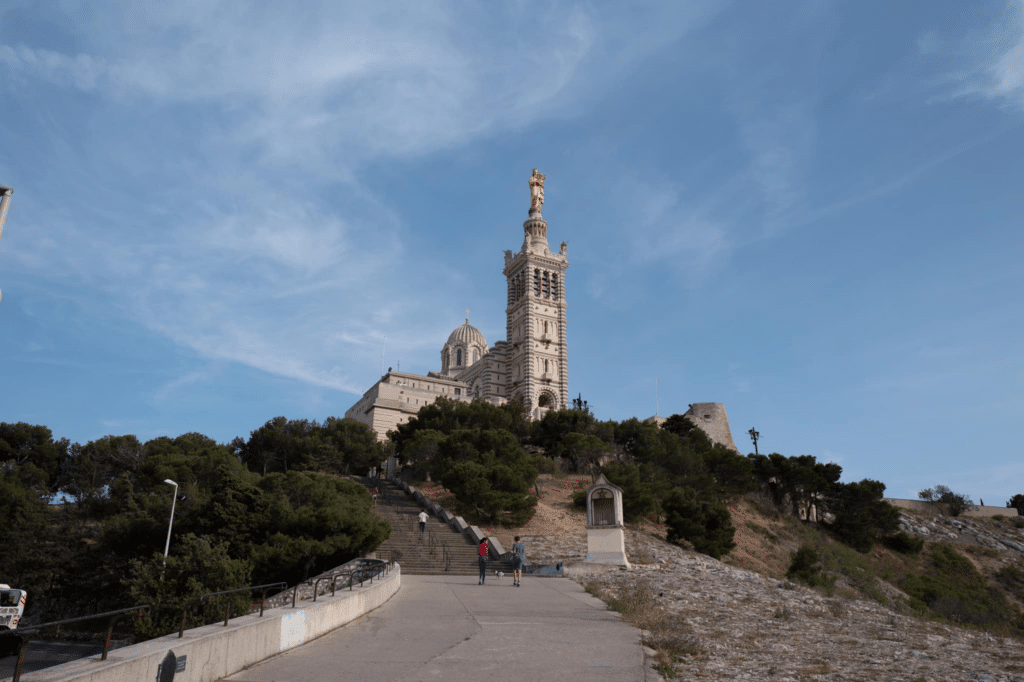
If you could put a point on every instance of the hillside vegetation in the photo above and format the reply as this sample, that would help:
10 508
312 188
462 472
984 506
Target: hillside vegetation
279 506
85 527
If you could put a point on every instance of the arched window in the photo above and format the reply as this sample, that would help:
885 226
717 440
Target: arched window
447 360
544 401
545 366
476 355
458 358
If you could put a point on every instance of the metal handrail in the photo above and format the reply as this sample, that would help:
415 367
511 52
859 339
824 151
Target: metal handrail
447 554
227 609
33 629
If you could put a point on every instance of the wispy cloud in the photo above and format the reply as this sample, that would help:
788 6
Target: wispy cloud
671 226
370 78
987 63
266 245
780 143
173 387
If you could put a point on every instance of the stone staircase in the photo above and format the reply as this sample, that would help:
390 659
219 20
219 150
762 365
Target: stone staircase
439 551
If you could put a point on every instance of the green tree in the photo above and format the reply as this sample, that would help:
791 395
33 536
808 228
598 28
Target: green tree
490 475
279 445
638 497
24 533
583 452
446 416
954 503
352 447
313 520
862 516
802 482
732 472
679 425
551 431
36 454
420 451
92 468
1016 502
197 566
704 524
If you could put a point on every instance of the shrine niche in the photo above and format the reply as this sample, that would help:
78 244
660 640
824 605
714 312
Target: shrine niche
606 539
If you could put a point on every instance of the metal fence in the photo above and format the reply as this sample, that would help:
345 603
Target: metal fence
23 636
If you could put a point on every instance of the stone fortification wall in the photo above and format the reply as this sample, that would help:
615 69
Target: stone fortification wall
712 420
923 507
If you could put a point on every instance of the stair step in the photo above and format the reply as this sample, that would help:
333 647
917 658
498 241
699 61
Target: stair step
415 557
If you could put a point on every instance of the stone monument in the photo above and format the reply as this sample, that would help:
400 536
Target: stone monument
606 538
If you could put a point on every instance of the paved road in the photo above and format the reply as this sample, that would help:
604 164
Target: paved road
449 628
42 654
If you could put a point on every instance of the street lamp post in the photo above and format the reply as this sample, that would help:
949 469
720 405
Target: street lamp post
5 203
171 524
753 436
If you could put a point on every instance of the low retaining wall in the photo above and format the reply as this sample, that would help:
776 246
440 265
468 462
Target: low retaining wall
214 651
929 508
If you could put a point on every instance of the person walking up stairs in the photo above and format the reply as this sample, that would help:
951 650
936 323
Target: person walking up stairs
436 550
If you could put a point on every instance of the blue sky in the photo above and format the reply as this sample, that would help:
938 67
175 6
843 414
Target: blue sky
810 212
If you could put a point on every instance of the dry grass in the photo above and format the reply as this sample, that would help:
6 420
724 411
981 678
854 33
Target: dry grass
669 635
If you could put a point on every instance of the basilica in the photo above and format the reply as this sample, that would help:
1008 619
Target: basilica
530 366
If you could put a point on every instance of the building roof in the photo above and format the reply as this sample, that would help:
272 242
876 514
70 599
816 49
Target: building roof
465 335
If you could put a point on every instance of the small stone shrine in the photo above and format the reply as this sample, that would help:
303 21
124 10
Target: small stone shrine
606 538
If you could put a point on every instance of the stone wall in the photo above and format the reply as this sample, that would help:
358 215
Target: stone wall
923 507
212 652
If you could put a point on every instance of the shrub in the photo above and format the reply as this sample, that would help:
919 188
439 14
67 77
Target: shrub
904 543
954 502
806 567
1012 578
579 499
706 525
955 590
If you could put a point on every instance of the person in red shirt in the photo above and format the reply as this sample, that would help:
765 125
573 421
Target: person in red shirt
481 559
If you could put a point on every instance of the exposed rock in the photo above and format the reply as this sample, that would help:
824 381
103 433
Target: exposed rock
754 628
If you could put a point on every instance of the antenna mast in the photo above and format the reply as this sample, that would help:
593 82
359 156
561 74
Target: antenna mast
382 347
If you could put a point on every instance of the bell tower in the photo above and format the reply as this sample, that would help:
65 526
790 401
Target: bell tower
537 372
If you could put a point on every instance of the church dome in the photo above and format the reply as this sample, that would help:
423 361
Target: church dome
467 335
465 346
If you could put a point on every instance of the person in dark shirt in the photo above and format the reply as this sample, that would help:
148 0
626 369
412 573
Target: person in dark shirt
518 557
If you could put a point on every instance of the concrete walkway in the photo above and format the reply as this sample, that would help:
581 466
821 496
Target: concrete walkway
449 628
